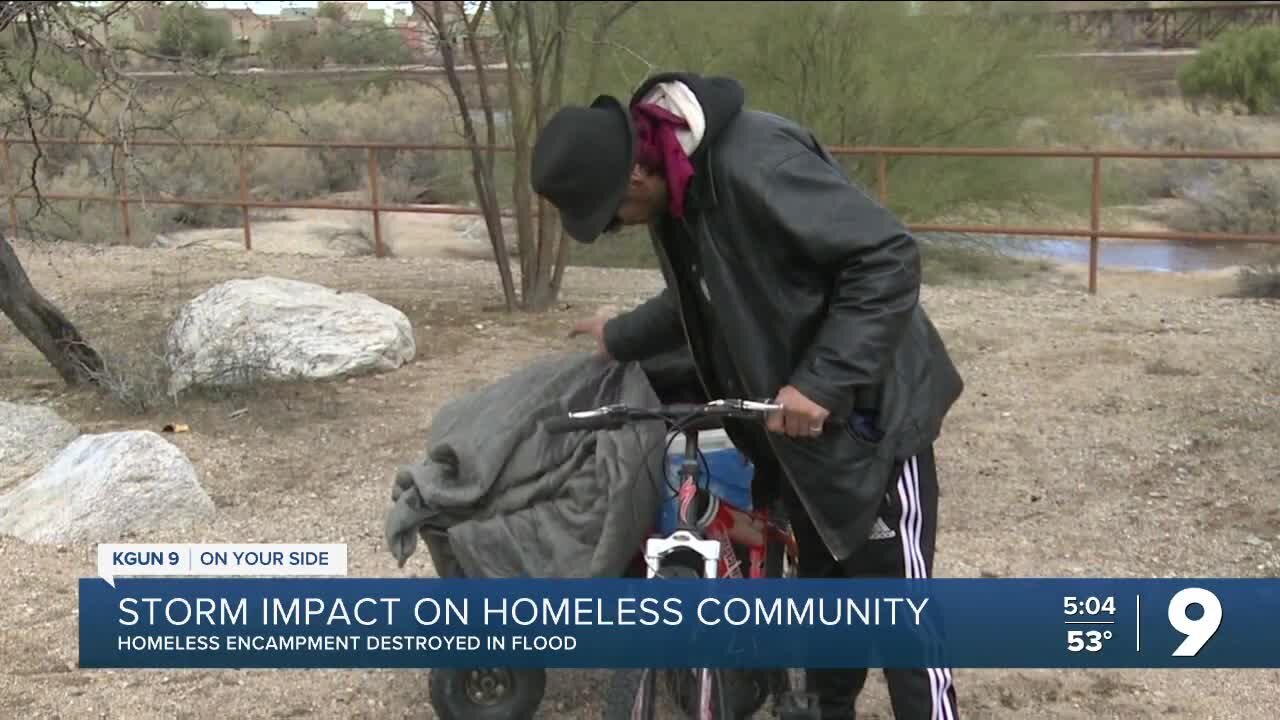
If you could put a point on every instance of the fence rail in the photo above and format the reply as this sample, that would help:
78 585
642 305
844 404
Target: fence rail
1094 232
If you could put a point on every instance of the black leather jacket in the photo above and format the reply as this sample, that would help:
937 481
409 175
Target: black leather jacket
785 273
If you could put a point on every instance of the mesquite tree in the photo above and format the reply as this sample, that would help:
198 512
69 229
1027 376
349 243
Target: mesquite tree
39 320
61 76
533 39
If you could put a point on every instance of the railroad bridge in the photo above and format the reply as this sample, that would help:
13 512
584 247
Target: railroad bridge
1162 28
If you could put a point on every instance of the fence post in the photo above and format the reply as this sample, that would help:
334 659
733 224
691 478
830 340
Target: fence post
116 154
11 181
882 177
378 249
244 196
1095 223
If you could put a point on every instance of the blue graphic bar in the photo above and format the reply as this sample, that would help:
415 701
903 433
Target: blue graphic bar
435 623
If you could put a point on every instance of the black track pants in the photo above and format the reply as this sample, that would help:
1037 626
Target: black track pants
902 547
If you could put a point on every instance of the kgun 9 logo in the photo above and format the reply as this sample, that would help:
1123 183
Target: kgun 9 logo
1198 630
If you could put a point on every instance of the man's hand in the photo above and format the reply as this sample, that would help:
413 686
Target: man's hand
800 417
593 326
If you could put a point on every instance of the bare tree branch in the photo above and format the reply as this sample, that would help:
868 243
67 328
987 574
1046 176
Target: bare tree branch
434 13
59 81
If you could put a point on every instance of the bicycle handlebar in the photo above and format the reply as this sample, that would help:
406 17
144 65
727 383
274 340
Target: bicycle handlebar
613 417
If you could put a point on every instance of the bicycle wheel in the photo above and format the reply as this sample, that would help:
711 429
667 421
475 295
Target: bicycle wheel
639 694
741 693
788 686
632 693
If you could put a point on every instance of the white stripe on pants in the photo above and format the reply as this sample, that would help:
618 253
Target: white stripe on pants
915 568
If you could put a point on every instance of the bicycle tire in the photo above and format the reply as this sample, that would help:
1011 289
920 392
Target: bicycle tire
743 693
625 684
620 696
723 710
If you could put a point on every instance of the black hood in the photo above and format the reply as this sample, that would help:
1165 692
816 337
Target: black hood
722 98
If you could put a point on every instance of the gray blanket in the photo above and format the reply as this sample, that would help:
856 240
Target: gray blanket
517 501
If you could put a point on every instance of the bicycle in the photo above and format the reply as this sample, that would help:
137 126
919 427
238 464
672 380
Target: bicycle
709 538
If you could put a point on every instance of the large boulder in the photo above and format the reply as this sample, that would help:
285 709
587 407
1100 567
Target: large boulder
30 437
103 486
246 331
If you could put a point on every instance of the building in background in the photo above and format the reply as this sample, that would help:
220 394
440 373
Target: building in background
361 12
420 36
247 27
138 25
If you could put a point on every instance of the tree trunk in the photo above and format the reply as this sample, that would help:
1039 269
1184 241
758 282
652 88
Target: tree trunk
491 206
43 324
604 22
483 180
520 191
538 63
552 232
548 91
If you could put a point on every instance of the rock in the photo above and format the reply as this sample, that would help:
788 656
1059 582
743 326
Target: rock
30 437
103 486
247 331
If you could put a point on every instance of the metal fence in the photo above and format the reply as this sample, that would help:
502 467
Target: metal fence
881 154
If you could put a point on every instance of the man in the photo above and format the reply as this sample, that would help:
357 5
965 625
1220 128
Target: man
787 282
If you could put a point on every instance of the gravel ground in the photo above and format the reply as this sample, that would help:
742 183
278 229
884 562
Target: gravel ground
1128 434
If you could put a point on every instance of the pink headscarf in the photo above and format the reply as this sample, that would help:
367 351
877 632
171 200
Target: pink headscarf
658 150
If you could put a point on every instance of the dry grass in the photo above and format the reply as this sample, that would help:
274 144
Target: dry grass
1082 447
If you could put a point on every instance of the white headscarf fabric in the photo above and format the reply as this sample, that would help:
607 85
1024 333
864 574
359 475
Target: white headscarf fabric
677 98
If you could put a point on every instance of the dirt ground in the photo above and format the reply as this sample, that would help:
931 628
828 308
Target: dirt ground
1128 434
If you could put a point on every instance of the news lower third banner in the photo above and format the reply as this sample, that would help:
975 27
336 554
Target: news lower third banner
342 622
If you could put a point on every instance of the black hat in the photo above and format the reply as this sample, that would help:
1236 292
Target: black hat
582 164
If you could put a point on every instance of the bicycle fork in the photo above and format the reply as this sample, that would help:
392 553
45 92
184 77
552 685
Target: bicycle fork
655 552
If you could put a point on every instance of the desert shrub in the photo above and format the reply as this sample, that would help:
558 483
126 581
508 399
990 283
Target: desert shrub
947 259
368 45
406 113
1260 280
1245 198
135 379
56 69
283 174
1241 67
1205 195
412 114
1169 126
360 45
873 74
188 30
90 222
290 48
195 172
1208 195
